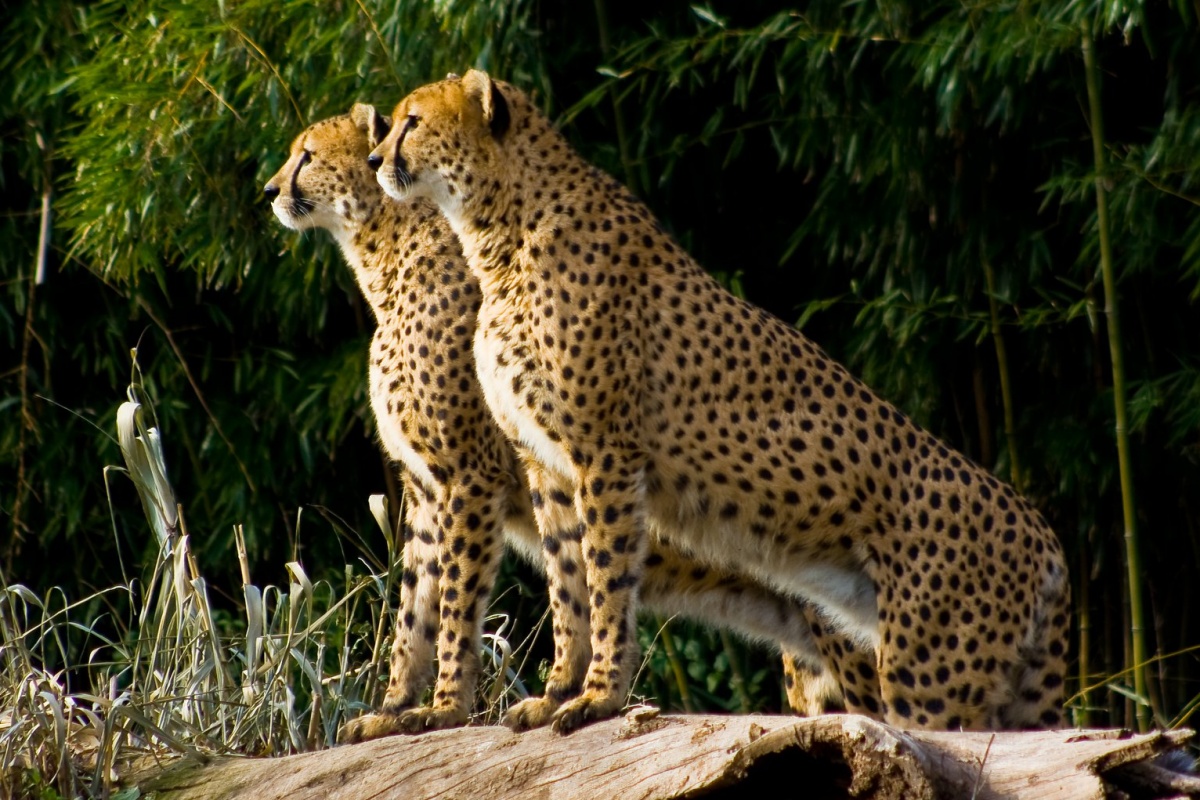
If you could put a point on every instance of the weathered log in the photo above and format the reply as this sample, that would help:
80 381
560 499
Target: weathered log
650 757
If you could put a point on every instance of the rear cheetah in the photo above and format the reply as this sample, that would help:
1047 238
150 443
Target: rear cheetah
461 480
669 405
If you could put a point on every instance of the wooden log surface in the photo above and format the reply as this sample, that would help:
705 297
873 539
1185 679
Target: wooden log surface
645 756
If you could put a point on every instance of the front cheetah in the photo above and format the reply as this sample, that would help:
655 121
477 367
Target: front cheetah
670 406
461 480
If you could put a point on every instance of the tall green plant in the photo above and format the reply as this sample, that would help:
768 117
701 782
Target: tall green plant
1112 317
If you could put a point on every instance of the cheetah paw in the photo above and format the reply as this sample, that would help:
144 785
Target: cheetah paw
576 713
367 727
421 720
530 713
403 721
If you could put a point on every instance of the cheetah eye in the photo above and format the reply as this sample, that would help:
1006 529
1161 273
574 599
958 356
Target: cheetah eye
304 159
412 121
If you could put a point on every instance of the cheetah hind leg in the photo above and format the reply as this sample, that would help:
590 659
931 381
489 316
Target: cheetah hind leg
811 689
574 714
1037 698
366 728
848 662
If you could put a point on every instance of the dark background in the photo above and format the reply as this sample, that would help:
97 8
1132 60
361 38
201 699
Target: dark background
855 168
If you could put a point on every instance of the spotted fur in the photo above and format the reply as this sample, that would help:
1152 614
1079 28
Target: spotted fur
673 408
464 489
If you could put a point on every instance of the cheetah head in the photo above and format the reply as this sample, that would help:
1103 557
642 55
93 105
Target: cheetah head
446 140
325 182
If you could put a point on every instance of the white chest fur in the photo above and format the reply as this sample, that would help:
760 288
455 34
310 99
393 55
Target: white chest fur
498 367
397 445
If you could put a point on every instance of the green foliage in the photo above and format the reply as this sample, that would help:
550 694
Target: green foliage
928 145
160 122
855 167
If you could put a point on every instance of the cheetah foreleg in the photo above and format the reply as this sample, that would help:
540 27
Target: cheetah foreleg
611 499
562 555
411 663
469 548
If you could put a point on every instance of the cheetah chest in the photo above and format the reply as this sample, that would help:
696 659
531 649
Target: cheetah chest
387 401
513 393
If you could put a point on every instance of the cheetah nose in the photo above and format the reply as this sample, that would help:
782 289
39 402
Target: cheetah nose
374 161
271 191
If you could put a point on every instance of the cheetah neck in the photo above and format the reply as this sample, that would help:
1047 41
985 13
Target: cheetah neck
367 270
370 247
503 223
490 234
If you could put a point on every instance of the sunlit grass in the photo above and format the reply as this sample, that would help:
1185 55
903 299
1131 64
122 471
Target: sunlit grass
152 670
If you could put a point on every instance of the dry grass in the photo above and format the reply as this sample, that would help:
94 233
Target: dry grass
165 680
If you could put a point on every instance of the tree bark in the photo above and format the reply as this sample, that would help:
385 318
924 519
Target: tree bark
651 757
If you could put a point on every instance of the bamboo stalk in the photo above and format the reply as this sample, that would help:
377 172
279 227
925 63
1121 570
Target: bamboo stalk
1133 560
1083 719
1010 432
982 416
28 424
677 670
736 679
618 115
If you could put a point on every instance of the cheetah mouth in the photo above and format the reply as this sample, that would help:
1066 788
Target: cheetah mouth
293 212
402 179
301 207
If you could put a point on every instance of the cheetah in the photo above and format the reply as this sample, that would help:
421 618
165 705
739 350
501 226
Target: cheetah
674 409
465 490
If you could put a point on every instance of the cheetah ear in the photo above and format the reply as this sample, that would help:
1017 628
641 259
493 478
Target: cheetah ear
371 122
479 86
